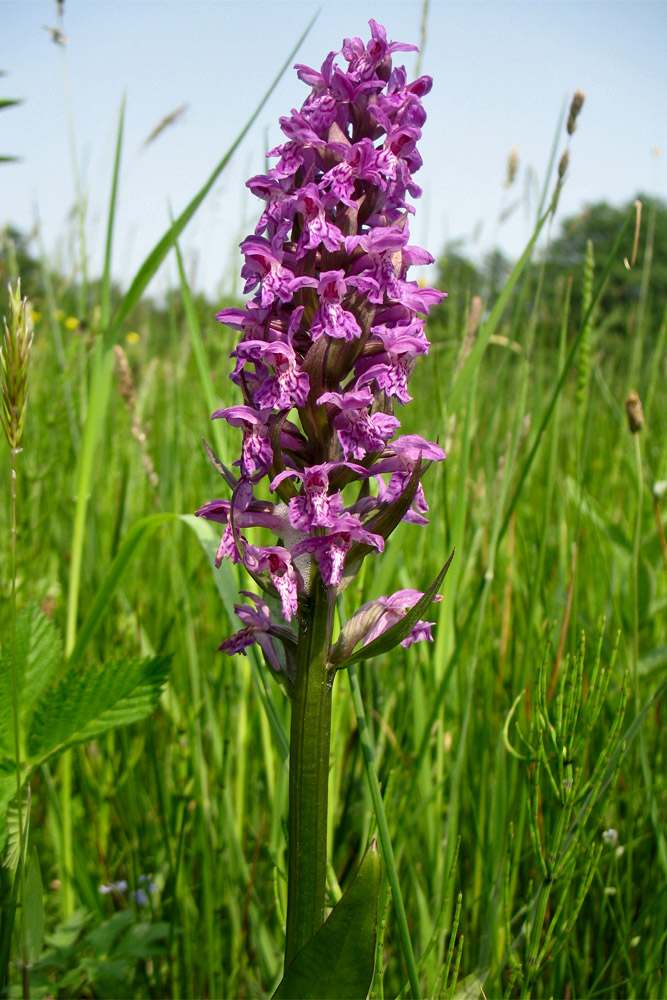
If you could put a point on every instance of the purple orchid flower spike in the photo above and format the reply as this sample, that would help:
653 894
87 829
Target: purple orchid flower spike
327 345
328 342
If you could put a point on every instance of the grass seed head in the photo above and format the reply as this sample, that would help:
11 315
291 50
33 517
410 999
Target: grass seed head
635 413
575 108
14 358
512 167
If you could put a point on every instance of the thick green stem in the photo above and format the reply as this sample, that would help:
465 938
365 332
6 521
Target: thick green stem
309 772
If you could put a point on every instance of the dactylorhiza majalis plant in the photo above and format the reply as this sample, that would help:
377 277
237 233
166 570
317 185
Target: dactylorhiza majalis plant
328 343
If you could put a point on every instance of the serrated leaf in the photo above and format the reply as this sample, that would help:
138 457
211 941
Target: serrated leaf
391 638
38 656
34 908
85 704
7 791
338 962
9 822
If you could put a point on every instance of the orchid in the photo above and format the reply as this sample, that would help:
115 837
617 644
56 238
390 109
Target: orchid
328 343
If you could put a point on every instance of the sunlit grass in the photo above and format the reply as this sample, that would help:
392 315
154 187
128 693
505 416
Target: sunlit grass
549 502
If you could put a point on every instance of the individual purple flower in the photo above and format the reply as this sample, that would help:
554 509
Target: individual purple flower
393 610
257 453
331 318
277 562
257 628
392 367
288 386
265 266
330 549
400 461
316 228
109 887
245 513
359 431
375 618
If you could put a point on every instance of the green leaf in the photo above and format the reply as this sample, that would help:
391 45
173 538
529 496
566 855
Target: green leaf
465 374
164 245
130 548
38 656
34 908
84 704
103 939
9 822
7 792
338 962
143 941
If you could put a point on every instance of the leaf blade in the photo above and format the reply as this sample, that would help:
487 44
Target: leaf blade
338 962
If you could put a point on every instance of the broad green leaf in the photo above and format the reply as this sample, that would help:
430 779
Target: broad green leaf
86 703
10 817
338 962
143 940
34 908
38 656
103 939
7 793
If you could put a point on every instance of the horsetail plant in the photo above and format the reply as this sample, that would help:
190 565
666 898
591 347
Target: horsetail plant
571 790
328 344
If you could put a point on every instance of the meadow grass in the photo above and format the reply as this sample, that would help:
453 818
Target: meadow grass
503 751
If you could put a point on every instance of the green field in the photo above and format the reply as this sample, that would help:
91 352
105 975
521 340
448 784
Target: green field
522 769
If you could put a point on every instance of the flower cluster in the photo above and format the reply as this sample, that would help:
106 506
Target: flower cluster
328 343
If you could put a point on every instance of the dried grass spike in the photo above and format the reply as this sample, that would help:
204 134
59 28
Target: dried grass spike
575 108
635 413
512 168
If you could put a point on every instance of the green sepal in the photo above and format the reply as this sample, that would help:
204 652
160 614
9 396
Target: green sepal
338 962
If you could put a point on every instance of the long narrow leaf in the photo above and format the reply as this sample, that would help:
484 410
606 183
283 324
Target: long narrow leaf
164 245
130 547
473 360
105 293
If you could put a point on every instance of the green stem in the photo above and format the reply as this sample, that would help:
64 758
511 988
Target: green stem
17 741
309 772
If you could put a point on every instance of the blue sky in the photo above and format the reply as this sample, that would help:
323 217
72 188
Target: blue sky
503 72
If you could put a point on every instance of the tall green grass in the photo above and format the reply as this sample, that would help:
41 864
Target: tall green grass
545 498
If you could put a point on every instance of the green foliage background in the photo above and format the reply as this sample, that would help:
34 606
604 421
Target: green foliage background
196 797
